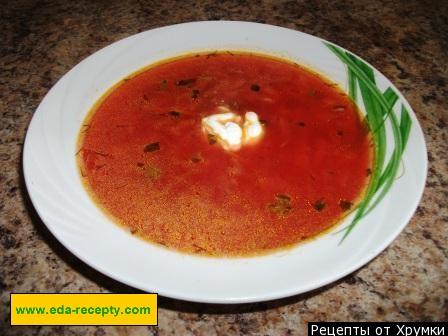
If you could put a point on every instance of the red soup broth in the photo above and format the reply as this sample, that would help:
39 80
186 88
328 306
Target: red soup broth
147 162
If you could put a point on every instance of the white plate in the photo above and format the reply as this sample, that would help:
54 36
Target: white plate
56 191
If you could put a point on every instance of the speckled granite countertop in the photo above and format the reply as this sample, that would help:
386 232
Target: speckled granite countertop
406 40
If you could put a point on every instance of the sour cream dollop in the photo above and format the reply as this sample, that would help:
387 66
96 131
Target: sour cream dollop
230 130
